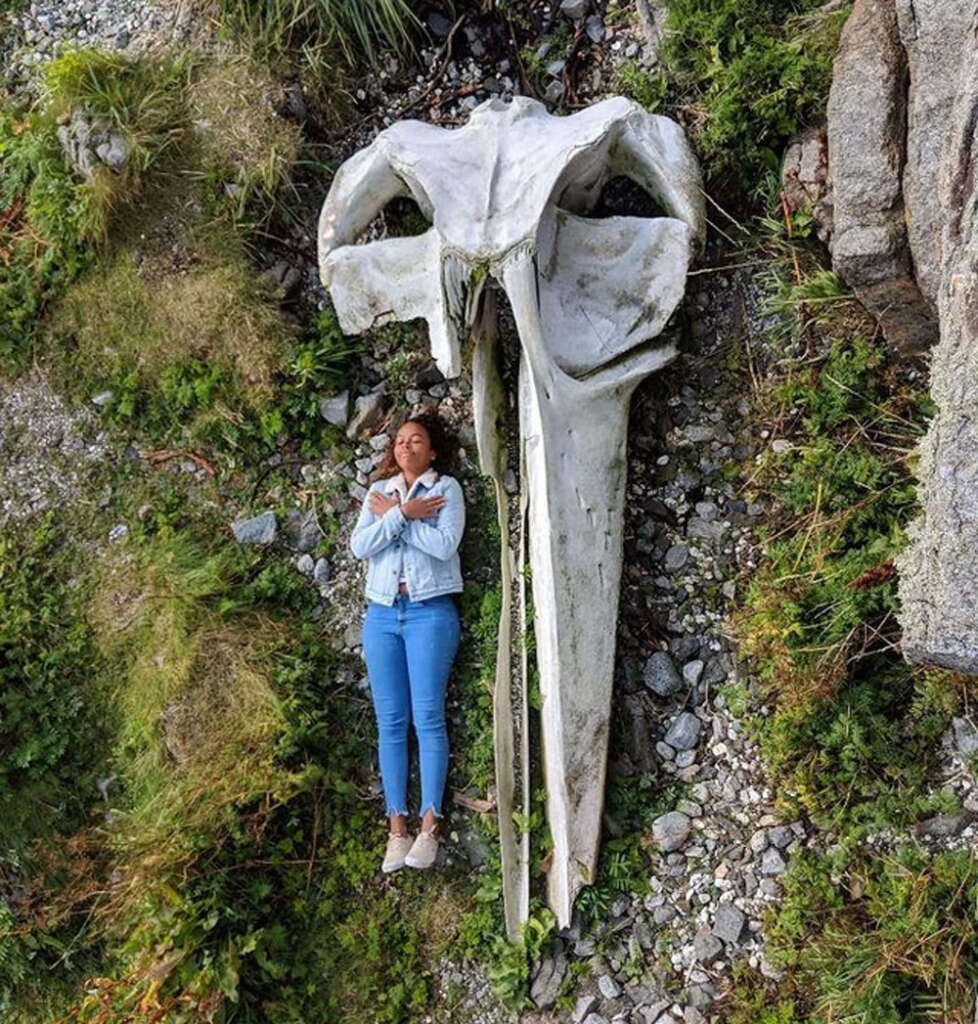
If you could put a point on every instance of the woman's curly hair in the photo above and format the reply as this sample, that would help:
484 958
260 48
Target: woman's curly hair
443 439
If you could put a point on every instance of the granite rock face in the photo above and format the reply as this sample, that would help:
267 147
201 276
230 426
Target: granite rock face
901 125
894 84
934 34
938 570
867 144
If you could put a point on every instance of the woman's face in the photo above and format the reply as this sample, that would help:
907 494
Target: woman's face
412 449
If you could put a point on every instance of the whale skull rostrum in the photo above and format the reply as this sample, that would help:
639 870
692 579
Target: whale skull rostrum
587 295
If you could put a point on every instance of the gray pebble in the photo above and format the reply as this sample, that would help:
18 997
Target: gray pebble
706 945
584 947
714 672
664 913
583 1006
660 674
772 863
684 731
781 836
706 510
574 9
257 530
336 409
610 988
670 830
675 558
965 734
692 671
728 922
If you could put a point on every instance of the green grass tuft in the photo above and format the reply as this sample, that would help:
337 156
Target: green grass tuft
746 75
320 29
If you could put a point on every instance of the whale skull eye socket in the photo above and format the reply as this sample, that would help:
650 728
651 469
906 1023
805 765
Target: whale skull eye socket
619 197
546 206
401 218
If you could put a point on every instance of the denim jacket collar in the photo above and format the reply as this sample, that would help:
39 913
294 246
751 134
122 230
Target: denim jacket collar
399 484
426 549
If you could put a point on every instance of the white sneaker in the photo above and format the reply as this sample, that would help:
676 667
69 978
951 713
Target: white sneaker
397 850
422 854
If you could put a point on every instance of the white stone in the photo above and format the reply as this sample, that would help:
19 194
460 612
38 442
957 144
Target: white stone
692 671
336 409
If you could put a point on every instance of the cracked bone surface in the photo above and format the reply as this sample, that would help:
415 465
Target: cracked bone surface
510 193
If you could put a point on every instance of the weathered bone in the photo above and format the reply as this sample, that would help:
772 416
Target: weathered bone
501 193
489 402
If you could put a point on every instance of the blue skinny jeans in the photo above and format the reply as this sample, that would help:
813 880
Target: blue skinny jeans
409 648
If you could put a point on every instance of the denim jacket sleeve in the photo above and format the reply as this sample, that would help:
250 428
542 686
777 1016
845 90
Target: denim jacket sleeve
373 533
441 541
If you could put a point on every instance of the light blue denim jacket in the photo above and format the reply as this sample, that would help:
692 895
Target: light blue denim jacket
430 545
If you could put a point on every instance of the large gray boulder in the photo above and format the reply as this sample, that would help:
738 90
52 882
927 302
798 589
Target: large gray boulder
901 124
867 144
938 585
934 34
889 112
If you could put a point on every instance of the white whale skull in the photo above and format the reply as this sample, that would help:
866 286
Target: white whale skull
586 294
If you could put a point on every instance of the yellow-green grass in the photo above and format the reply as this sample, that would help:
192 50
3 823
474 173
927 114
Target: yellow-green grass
214 307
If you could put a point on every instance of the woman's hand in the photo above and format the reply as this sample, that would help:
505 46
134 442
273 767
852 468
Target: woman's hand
379 504
419 508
